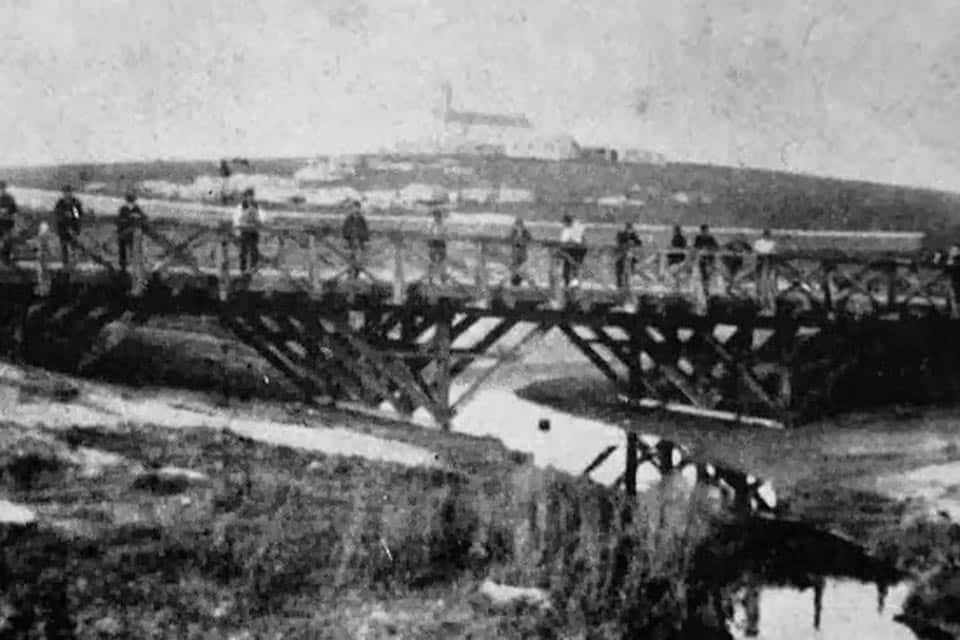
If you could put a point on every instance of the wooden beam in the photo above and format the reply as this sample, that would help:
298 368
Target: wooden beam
397 372
630 471
592 355
599 460
744 375
444 374
483 345
535 334
248 336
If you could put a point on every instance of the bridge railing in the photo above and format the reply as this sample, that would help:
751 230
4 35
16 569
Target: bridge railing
485 266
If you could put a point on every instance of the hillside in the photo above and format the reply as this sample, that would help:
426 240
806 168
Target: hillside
659 194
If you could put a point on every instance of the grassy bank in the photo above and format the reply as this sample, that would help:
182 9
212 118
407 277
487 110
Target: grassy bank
277 542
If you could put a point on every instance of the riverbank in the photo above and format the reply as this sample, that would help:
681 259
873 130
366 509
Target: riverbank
155 513
812 468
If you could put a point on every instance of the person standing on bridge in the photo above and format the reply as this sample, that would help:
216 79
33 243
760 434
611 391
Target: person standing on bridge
67 214
129 218
679 245
247 221
437 246
8 212
764 247
573 251
707 246
355 235
520 239
628 242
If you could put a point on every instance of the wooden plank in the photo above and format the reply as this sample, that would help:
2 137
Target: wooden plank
713 414
399 282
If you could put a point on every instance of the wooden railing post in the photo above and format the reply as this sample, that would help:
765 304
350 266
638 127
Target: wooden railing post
399 285
138 267
558 286
768 283
313 270
481 276
223 264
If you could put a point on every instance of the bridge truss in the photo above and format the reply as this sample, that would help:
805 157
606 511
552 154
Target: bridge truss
728 335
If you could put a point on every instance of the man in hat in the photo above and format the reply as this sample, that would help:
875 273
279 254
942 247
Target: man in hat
8 212
247 222
707 246
67 215
628 242
355 235
678 242
573 251
129 217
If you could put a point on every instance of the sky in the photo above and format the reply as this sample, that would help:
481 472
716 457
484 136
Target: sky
864 90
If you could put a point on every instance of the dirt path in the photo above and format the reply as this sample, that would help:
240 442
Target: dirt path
107 405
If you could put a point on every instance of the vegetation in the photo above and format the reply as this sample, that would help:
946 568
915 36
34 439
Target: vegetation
283 543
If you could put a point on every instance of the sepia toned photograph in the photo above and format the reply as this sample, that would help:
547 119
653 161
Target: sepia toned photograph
436 319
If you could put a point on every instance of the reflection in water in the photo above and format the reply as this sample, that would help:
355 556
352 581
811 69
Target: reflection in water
849 610
790 555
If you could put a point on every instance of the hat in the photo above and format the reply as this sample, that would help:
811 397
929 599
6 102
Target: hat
130 196
67 187
248 191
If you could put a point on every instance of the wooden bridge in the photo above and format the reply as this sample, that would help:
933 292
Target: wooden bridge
726 334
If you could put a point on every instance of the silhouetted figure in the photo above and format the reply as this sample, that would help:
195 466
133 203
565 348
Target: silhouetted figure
765 247
67 215
247 222
678 242
437 246
129 217
706 244
628 242
356 235
8 213
520 239
573 251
